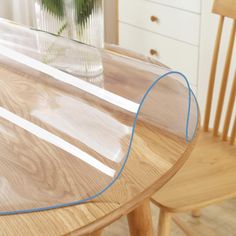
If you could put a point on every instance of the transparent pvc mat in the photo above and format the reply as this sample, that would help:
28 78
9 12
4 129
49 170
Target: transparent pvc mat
68 115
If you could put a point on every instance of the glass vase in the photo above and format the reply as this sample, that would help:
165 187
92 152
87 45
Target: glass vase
81 20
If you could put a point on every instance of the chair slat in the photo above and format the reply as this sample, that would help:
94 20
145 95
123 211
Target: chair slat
229 110
233 135
225 80
225 8
213 74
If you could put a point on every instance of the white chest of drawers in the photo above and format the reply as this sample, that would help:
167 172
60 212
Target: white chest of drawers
168 30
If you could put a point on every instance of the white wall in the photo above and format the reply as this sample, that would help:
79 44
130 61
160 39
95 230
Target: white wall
5 9
20 11
209 25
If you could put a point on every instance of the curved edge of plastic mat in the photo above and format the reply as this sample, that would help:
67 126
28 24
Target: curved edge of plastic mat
188 140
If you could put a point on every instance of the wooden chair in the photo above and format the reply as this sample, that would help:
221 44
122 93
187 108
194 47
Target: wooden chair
209 176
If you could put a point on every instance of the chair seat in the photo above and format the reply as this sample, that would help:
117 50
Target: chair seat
207 177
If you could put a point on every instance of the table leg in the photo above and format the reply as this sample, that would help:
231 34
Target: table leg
164 225
140 220
97 233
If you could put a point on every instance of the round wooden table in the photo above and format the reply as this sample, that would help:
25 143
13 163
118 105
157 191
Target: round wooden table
149 167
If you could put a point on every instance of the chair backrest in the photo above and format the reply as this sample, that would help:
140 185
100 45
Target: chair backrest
224 8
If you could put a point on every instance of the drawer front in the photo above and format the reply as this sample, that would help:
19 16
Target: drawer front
175 54
189 5
168 21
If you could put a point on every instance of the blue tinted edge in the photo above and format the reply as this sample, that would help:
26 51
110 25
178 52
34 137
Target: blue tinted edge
129 147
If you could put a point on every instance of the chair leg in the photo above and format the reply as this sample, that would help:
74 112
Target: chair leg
140 220
196 213
183 226
164 225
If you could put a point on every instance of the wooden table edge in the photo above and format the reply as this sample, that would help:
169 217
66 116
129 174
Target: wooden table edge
135 202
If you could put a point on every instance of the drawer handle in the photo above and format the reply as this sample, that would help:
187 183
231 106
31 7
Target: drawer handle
153 52
154 18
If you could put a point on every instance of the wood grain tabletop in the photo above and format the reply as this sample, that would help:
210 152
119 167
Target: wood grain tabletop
156 156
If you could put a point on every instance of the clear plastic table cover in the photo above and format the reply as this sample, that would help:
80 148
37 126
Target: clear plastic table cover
55 120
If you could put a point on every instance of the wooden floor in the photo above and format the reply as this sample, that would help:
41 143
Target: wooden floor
217 220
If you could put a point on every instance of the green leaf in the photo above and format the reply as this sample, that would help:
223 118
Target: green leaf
83 9
55 7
